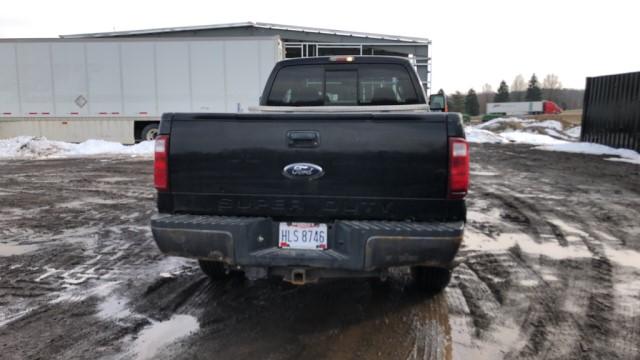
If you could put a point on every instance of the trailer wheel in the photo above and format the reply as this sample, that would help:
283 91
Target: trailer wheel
149 132
431 279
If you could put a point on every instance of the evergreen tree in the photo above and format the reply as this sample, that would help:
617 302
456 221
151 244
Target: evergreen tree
534 93
455 102
471 104
503 93
441 92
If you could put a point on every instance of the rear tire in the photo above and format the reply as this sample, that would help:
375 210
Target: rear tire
430 279
215 270
149 132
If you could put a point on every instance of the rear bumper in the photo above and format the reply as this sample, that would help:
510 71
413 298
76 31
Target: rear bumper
352 245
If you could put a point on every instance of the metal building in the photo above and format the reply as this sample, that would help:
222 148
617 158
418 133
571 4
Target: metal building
301 41
116 85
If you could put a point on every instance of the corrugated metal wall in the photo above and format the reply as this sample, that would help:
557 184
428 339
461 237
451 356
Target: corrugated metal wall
611 112
132 77
76 129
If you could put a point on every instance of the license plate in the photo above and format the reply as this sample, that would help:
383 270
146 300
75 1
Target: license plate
302 236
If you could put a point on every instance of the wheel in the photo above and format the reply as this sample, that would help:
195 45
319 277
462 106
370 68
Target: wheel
215 270
149 132
431 279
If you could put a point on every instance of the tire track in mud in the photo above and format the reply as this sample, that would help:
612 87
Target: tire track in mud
78 245
518 285
333 320
544 314
505 301
595 331
612 318
92 238
572 316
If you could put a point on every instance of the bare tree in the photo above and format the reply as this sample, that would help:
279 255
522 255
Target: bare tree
485 96
551 81
518 86
550 86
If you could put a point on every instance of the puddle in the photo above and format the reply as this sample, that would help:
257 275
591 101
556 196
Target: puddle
628 289
478 241
549 277
15 249
484 173
88 236
484 215
159 334
548 246
74 293
529 282
91 201
116 179
494 345
113 308
630 161
623 257
553 250
606 236
568 228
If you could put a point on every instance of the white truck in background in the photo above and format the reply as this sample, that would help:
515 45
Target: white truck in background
116 89
523 108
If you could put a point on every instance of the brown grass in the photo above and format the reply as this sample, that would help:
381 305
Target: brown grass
568 118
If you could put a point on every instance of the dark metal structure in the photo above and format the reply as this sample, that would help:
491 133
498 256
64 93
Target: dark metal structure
611 111
301 41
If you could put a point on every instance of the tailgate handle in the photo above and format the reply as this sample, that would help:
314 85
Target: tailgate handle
303 139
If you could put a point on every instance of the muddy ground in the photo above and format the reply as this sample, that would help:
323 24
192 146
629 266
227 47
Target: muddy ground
550 269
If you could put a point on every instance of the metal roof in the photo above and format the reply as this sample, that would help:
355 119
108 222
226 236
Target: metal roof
255 25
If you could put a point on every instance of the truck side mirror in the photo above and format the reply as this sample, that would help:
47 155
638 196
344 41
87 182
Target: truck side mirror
438 102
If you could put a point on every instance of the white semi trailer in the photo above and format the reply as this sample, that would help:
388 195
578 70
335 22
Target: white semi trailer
116 89
524 108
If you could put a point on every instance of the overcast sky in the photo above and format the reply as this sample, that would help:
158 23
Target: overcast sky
474 42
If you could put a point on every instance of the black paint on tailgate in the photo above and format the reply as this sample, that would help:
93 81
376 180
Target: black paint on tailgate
375 165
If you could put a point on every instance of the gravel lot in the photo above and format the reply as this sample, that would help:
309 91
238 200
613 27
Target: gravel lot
550 269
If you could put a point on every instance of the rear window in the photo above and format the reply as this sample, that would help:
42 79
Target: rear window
364 84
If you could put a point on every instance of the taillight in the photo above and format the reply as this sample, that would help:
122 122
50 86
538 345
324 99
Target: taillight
458 168
161 163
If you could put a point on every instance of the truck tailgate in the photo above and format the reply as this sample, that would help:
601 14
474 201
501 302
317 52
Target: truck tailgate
376 165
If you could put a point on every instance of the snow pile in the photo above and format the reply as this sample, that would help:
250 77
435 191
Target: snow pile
39 147
504 124
548 124
97 147
552 128
550 135
625 155
530 138
574 132
30 147
476 135
522 131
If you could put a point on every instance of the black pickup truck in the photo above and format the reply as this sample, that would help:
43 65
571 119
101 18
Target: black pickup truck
342 171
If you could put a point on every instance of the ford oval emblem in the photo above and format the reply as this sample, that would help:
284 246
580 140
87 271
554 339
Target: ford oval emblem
302 171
